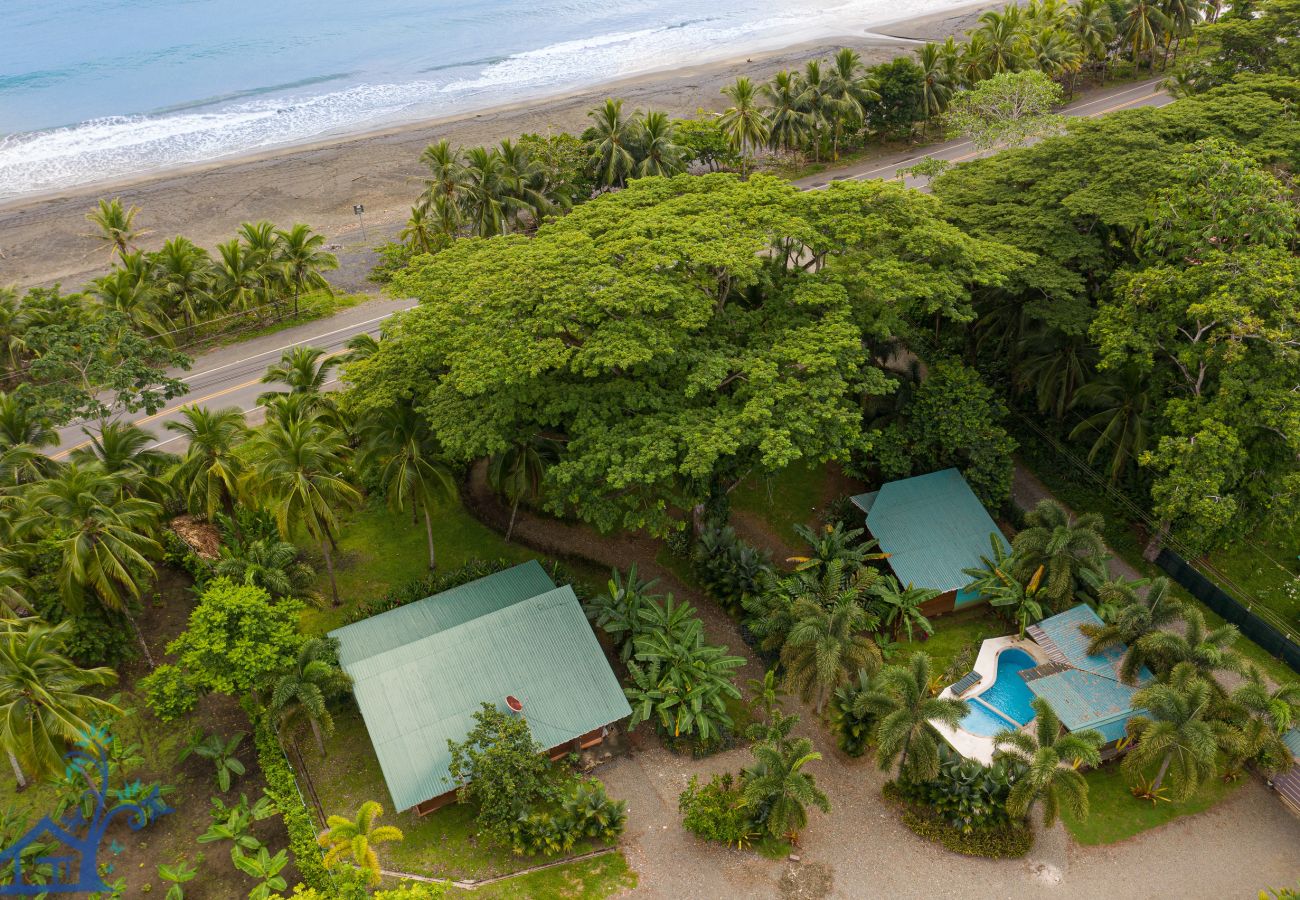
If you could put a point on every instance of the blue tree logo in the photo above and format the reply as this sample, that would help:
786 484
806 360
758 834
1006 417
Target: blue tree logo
76 836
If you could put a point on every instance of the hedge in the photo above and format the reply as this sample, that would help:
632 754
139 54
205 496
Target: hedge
1000 842
282 788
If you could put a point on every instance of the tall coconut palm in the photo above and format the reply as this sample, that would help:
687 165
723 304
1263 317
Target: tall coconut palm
744 122
901 701
1066 548
409 464
786 103
656 150
1055 53
42 704
306 689
24 437
1206 651
487 192
936 86
208 474
611 137
237 278
183 274
1003 36
303 370
1051 778
901 607
517 472
447 175
851 89
778 783
298 254
826 645
1145 614
116 226
136 296
1175 731
1143 26
123 448
1093 29
14 319
297 465
268 564
818 105
356 839
103 539
526 180
1122 424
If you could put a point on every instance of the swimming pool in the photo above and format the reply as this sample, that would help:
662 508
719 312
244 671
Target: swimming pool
1007 695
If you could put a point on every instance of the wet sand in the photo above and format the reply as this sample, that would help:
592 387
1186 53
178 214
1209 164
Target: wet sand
43 239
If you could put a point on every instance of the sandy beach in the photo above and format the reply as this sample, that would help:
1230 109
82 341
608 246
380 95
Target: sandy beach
43 238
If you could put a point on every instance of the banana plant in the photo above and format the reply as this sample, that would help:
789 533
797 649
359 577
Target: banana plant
235 829
177 875
264 867
221 752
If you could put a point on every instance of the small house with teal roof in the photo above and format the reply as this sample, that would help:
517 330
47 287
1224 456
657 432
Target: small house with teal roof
1287 784
933 527
513 639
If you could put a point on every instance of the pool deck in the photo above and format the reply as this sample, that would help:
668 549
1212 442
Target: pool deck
974 746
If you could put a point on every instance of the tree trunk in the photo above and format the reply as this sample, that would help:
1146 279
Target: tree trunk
295 300
1164 768
428 532
234 519
510 529
329 533
1156 543
320 739
18 771
148 657
329 565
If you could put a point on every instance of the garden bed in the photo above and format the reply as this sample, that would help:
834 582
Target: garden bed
999 842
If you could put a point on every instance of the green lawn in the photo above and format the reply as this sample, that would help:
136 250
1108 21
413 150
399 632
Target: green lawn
379 549
954 632
587 879
1115 814
440 845
1266 568
790 497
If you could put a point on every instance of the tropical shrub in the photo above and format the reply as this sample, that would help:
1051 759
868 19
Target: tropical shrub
966 794
282 790
617 611
221 752
718 812
996 842
851 716
169 693
586 814
727 567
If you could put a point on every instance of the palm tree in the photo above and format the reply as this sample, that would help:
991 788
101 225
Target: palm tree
122 448
1258 716
1063 547
304 370
359 347
657 153
936 86
134 294
1051 761
103 538
744 123
1207 651
1142 26
518 471
902 606
410 465
306 689
826 646
831 543
268 564
356 838
447 175
183 274
611 138
904 708
1122 423
208 475
486 193
117 228
237 280
1175 730
1055 53
14 319
786 103
1093 29
298 254
297 464
24 436
850 89
1003 40
777 782
820 109
42 707
526 198
1145 614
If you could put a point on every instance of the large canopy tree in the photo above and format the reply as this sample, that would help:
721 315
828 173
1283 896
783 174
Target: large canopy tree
672 337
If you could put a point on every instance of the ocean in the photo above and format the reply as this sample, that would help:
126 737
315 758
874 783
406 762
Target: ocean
99 89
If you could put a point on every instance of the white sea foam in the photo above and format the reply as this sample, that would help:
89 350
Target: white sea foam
117 146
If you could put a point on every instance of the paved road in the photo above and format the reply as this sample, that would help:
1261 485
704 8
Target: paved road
230 376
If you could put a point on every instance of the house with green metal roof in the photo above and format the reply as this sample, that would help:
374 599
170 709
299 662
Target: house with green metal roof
1287 784
933 527
1083 688
513 639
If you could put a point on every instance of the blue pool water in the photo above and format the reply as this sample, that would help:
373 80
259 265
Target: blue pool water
1008 695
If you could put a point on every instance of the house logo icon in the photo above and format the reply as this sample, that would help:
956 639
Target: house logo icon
61 857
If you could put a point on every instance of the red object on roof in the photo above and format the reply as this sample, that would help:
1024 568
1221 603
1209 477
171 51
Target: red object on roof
515 704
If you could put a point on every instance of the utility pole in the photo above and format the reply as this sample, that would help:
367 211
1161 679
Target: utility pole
359 210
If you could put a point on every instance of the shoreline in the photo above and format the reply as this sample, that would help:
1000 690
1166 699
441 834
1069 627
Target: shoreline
42 236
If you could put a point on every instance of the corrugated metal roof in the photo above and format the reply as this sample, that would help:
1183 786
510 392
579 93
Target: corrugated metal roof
933 526
1086 691
442 611
1292 740
419 694
864 502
